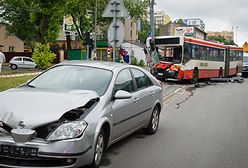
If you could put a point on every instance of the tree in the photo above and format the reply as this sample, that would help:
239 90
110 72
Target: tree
83 13
32 20
145 29
221 40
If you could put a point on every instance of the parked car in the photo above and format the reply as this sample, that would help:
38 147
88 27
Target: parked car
21 62
69 114
245 67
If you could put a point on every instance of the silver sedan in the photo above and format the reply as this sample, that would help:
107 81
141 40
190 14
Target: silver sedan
68 115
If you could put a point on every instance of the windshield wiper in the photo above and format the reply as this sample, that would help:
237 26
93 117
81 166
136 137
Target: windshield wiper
28 85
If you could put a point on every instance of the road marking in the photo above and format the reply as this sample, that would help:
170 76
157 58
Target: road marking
170 97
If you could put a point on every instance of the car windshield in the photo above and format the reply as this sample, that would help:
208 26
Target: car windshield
74 78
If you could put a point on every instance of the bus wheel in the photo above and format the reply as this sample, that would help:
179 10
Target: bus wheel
221 73
195 77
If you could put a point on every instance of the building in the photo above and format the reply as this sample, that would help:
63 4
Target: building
10 43
175 29
160 18
194 22
228 35
131 30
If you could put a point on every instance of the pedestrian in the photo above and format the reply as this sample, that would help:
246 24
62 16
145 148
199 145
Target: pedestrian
2 60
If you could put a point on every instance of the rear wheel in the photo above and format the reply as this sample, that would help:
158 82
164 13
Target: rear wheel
13 67
195 76
154 122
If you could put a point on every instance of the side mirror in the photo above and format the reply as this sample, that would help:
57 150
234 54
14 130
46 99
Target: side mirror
121 94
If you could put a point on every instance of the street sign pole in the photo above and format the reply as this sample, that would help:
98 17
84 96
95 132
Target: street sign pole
115 9
115 27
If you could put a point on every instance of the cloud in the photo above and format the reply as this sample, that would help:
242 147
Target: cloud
218 15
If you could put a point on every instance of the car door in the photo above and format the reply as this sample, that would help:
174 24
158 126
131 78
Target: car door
28 63
18 61
145 94
125 111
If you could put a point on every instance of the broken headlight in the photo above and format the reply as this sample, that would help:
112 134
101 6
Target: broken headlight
68 131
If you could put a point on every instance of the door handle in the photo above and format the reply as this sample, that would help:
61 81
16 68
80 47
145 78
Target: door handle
152 93
136 100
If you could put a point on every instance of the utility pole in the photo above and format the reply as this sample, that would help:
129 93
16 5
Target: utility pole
152 19
95 29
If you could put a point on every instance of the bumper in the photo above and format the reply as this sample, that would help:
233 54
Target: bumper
167 73
66 153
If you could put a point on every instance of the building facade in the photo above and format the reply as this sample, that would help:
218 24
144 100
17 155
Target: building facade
10 43
131 30
196 22
228 35
174 29
160 18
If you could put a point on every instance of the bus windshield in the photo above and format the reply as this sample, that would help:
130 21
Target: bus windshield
171 54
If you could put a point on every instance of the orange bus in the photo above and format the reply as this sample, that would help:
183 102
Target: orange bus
185 58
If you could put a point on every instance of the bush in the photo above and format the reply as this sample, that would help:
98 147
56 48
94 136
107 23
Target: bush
134 60
142 63
42 55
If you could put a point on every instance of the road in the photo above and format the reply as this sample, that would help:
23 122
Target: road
203 127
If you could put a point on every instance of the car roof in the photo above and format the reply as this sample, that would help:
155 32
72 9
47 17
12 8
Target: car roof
21 57
97 64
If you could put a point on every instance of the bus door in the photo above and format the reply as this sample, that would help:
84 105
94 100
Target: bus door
227 62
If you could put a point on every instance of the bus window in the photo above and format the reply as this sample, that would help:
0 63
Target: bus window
172 54
187 52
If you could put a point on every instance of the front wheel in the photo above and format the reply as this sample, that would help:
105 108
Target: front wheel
13 67
99 149
195 77
154 122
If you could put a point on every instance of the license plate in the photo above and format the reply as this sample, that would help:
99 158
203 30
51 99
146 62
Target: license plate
160 74
20 151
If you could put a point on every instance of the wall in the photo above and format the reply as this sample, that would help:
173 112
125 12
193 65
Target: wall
136 50
7 41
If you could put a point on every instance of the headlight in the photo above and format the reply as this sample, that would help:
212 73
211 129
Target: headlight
68 131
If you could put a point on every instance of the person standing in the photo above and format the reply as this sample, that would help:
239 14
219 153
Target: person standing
2 60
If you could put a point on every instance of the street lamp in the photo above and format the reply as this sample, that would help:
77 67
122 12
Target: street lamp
237 35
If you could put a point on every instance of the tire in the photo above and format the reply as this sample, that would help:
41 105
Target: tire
13 67
220 73
99 149
195 77
154 122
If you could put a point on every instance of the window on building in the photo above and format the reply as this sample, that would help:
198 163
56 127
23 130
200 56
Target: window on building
11 48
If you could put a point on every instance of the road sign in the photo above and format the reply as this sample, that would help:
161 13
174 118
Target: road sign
120 10
245 47
120 29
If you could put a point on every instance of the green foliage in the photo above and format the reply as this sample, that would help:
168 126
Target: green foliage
32 20
141 63
145 29
7 83
134 60
221 40
180 22
42 55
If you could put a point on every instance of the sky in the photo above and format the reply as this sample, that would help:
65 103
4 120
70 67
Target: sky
218 15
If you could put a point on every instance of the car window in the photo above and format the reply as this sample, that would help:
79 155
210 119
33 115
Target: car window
142 80
74 78
27 59
18 59
124 81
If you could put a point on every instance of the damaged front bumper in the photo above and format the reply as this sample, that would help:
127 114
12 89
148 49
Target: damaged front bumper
40 153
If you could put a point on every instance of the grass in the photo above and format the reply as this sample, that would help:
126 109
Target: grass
7 83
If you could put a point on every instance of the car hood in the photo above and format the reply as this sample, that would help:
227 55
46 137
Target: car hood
36 107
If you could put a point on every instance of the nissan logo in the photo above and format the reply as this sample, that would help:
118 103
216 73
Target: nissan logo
21 125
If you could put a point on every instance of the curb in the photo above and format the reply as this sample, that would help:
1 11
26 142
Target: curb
19 75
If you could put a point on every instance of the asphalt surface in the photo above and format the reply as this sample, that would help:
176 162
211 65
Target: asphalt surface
203 127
